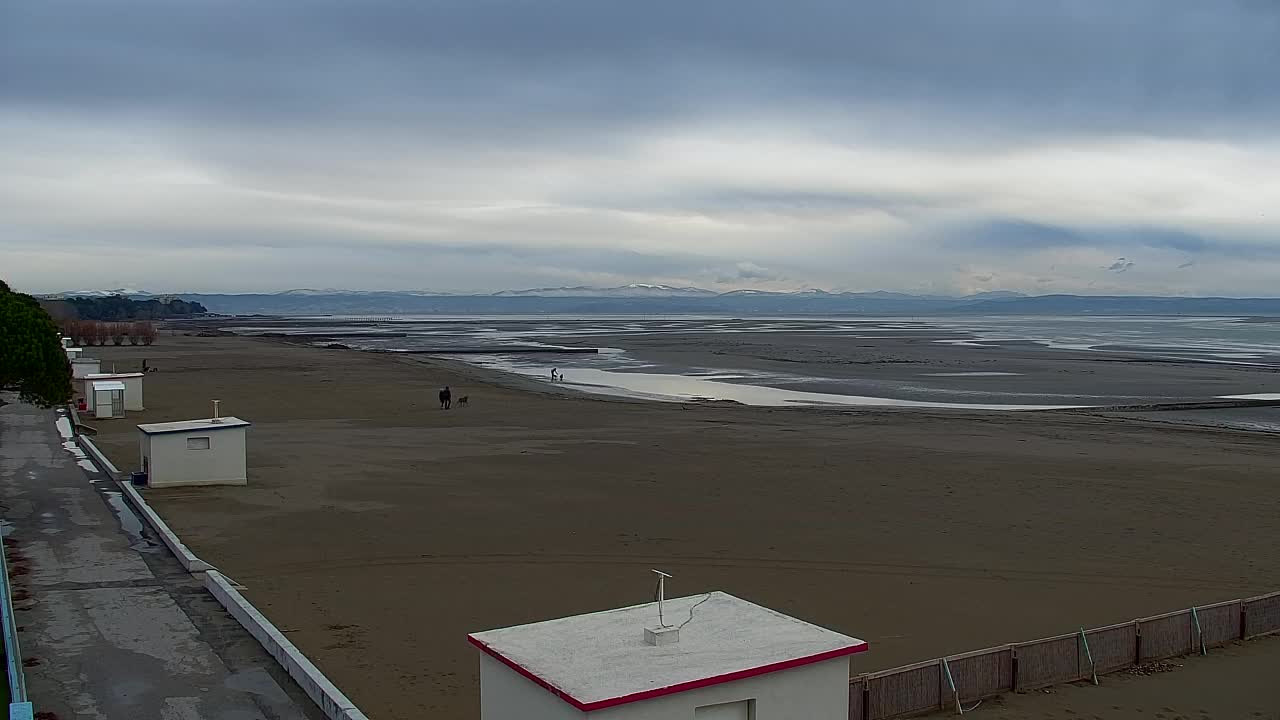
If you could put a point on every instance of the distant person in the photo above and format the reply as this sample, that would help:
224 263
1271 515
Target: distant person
446 398
555 373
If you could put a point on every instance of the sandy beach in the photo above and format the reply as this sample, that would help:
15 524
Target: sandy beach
377 530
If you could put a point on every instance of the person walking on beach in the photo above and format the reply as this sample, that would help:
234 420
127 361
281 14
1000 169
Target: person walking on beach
446 398
554 373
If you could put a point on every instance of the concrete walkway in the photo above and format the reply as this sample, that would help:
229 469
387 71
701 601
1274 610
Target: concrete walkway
110 625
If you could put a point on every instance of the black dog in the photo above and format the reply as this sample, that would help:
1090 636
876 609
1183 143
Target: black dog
462 401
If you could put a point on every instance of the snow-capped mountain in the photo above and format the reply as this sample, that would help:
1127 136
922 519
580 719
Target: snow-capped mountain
757 293
313 292
129 292
634 290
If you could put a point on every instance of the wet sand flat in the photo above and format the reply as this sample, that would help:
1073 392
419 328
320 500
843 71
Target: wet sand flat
377 530
987 362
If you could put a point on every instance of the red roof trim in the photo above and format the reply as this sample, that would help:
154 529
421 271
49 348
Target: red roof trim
670 689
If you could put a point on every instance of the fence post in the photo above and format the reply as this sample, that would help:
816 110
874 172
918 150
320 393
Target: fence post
1013 669
1093 667
1244 618
951 681
1137 643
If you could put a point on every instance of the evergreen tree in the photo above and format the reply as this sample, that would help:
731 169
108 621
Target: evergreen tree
32 360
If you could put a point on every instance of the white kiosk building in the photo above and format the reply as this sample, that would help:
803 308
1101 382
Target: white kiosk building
194 452
105 398
132 388
709 657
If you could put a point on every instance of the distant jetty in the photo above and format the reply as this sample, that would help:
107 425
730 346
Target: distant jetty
494 350
329 335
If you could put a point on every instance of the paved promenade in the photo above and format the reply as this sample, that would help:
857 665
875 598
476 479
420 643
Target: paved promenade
111 626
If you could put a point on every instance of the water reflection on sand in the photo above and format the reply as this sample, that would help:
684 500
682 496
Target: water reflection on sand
673 387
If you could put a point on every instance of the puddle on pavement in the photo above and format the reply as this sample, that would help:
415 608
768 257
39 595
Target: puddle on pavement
129 522
82 459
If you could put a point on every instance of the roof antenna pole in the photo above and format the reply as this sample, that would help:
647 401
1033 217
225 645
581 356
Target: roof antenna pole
662 595
217 416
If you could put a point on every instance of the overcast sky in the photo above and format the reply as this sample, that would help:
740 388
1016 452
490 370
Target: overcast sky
1075 146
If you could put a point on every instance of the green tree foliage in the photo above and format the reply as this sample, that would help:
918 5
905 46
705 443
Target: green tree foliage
32 360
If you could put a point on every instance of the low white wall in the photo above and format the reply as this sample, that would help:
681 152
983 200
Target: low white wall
187 558
87 445
328 697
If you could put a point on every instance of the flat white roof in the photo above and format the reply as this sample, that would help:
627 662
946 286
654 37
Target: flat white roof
600 660
107 385
85 360
193 425
98 376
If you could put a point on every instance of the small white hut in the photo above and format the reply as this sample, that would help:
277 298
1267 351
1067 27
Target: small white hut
132 388
211 451
707 657
83 367
73 352
106 398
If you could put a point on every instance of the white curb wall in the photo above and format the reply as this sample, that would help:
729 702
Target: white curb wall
189 561
97 456
328 697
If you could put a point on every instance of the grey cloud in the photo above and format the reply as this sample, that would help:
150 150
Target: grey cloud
1145 63
1121 265
1015 234
752 271
1028 236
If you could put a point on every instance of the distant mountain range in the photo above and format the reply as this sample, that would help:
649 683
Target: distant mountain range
645 299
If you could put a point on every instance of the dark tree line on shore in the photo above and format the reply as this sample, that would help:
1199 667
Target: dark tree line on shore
94 332
118 308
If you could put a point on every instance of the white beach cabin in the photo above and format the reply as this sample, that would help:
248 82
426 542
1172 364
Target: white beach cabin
194 452
73 352
106 398
83 367
132 388
717 658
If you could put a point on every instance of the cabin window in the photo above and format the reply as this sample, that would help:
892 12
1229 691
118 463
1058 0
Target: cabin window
198 443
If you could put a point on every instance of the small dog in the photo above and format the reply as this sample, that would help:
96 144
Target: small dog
462 401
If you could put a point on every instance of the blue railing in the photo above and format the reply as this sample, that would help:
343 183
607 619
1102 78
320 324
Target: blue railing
19 707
